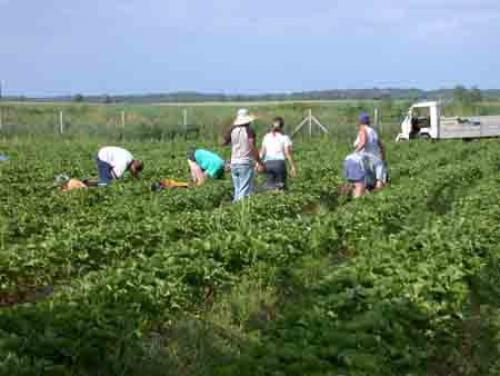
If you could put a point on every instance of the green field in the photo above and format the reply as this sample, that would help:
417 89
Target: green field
161 122
123 281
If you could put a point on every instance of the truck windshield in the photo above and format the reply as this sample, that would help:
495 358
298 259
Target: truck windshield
421 118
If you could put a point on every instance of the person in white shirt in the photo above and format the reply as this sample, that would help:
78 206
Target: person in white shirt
276 149
113 162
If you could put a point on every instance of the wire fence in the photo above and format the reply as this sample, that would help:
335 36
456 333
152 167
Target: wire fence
168 122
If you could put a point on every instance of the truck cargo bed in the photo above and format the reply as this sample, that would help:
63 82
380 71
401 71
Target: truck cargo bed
471 127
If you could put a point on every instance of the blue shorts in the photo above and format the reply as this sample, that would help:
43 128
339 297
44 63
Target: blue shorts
104 169
354 171
363 168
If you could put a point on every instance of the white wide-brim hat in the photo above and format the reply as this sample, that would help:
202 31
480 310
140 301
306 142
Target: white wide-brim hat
243 117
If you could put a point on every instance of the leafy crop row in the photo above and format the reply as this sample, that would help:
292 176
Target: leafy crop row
388 284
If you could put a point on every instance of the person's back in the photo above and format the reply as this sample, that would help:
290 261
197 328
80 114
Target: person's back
209 162
117 158
243 154
371 148
241 148
275 151
275 144
112 151
372 143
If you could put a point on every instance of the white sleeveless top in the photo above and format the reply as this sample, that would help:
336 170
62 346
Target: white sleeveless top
275 145
371 147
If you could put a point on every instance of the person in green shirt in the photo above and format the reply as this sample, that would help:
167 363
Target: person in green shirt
205 164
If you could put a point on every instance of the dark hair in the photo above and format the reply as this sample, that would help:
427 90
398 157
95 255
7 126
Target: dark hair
139 165
136 165
190 154
280 121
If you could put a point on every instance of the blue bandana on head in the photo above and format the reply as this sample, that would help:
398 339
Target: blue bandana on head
364 118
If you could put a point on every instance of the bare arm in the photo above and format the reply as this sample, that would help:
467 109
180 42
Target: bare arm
255 151
197 175
262 151
288 154
253 147
362 140
203 178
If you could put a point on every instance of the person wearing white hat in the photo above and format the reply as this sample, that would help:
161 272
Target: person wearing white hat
244 154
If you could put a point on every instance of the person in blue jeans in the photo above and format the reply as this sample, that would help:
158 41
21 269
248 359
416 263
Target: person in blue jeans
244 154
205 164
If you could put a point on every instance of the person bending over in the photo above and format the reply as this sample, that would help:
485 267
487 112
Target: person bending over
357 174
205 164
112 163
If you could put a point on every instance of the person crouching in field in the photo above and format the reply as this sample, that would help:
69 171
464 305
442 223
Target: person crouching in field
244 154
369 144
366 169
276 149
112 163
205 164
357 173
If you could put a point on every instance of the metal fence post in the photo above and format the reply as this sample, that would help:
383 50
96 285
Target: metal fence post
61 122
376 119
310 122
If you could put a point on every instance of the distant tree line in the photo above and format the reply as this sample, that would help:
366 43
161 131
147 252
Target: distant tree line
467 97
459 94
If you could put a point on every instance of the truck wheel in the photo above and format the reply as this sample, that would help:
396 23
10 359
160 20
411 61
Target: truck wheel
424 136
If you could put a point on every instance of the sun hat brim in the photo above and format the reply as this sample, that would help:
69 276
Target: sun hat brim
242 120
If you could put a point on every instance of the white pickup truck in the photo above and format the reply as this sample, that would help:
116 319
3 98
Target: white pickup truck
424 120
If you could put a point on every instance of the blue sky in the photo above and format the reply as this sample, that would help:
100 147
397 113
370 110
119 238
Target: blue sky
54 47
